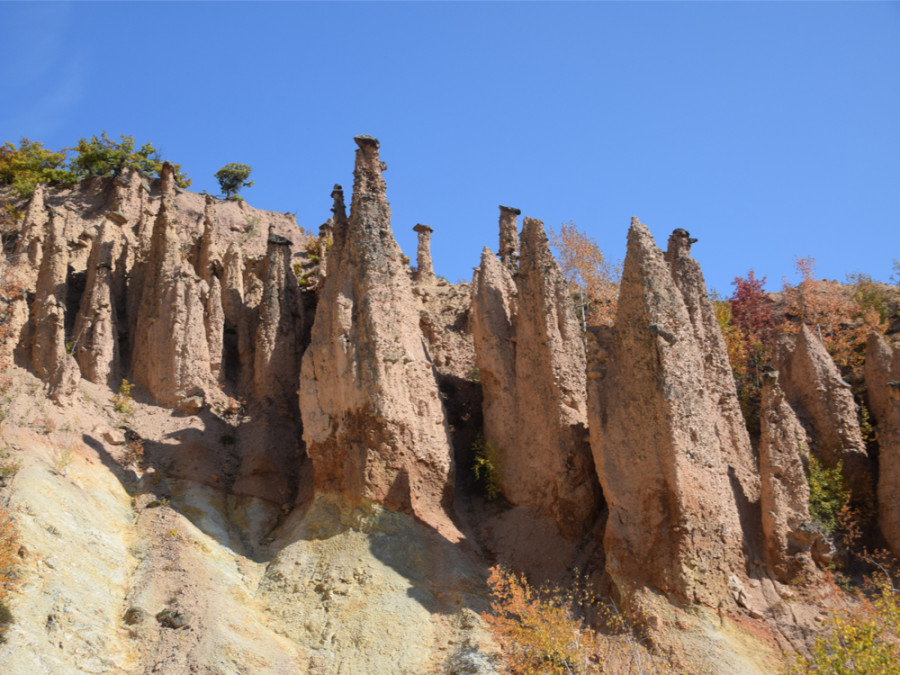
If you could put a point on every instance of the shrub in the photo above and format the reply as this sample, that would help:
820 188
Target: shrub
486 466
866 640
8 579
232 178
31 163
548 630
104 157
122 401
827 494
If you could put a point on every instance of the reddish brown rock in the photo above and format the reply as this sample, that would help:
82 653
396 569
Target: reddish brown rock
883 384
783 445
49 356
532 366
171 354
734 441
96 335
373 423
673 520
824 403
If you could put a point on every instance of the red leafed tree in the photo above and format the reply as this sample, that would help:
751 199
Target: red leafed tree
751 308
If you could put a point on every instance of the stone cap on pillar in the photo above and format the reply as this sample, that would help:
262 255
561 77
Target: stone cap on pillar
423 228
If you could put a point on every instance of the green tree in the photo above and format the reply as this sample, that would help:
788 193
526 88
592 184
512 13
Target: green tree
105 157
31 163
233 177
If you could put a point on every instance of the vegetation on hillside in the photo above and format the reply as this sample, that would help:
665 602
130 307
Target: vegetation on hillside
233 178
30 163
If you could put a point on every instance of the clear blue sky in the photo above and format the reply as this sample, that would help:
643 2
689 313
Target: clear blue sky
768 130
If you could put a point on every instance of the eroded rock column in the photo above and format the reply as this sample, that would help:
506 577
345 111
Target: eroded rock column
532 366
509 237
883 383
673 521
783 445
373 423
424 266
96 336
49 356
171 354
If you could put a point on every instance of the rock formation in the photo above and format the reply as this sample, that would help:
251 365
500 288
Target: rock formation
171 355
531 361
883 383
276 369
29 246
95 339
509 238
785 492
734 441
824 403
424 266
209 268
49 356
373 423
673 522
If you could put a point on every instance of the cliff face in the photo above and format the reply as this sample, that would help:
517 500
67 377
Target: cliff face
291 489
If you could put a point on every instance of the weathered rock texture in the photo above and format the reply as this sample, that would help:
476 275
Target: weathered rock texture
883 383
29 246
824 403
424 265
509 237
531 361
209 268
95 338
373 423
731 431
171 354
783 445
673 520
276 367
49 357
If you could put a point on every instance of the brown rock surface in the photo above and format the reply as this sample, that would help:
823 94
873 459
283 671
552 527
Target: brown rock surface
29 246
49 356
96 336
824 403
734 441
785 492
276 366
673 520
509 238
209 268
372 420
424 265
171 354
883 382
531 363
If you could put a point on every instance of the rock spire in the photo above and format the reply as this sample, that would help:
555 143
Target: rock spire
424 266
373 423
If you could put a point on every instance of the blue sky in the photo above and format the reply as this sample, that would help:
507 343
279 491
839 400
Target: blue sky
769 130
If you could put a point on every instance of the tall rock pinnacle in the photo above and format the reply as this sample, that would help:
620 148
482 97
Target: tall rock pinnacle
373 423
531 360
673 520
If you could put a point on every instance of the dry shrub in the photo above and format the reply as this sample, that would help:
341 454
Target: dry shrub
551 630
8 557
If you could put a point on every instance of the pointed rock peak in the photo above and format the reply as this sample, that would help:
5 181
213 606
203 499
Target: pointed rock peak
535 245
487 255
639 235
679 244
368 182
339 210
35 212
509 237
